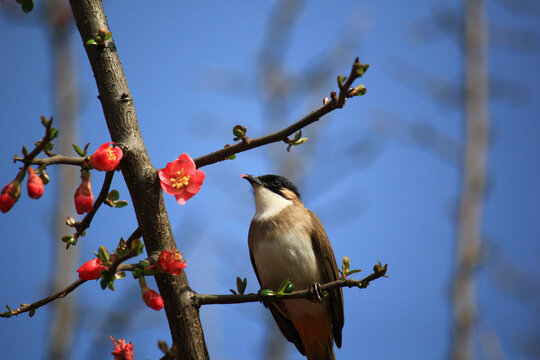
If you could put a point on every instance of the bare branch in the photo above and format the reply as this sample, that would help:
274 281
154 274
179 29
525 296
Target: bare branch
200 299
282 135
55 159
44 301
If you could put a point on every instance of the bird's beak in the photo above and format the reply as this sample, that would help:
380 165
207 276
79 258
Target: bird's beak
252 179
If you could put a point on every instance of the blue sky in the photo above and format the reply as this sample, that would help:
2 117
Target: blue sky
194 72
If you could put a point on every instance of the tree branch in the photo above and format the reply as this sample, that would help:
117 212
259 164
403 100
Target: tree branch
140 176
282 135
55 159
201 299
32 307
337 103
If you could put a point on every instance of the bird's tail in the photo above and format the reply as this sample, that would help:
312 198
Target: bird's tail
321 350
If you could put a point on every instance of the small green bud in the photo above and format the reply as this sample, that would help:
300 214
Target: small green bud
267 292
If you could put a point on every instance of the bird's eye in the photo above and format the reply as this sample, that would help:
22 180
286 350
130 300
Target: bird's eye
276 183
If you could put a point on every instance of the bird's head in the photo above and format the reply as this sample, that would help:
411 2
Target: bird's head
272 193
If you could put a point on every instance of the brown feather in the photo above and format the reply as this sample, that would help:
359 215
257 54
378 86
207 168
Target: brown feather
263 235
323 249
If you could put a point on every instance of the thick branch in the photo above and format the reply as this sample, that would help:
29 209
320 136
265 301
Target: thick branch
282 135
201 299
140 176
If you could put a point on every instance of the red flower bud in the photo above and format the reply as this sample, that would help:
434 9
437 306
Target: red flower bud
170 261
35 184
10 194
122 350
91 270
151 298
84 200
106 157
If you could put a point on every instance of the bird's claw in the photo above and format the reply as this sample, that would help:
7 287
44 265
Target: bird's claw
315 293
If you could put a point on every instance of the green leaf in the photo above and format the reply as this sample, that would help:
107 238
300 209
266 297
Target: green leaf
53 134
239 131
340 81
361 68
91 42
267 292
360 90
48 147
231 157
138 245
233 292
103 255
44 177
78 150
241 285
46 122
286 287
300 141
113 195
86 148
353 271
67 239
24 151
108 36
137 273
32 312
120 204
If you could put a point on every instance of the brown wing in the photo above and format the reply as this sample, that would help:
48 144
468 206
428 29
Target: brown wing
284 324
323 249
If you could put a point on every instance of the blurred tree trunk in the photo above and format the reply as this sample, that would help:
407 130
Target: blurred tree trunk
473 180
64 314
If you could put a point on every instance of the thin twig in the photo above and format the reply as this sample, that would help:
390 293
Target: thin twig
117 266
113 268
44 141
55 159
283 134
201 299
337 103
44 301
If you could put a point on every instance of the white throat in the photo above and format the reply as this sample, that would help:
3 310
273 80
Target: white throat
268 203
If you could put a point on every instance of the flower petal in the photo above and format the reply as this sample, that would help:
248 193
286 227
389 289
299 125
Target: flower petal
196 182
186 163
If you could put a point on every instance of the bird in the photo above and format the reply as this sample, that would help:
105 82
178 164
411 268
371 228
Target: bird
288 241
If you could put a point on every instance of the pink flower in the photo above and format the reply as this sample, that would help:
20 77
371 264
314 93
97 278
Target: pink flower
170 261
35 184
106 157
91 270
181 179
84 200
10 194
122 350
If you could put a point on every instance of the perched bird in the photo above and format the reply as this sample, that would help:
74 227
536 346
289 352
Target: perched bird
288 241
